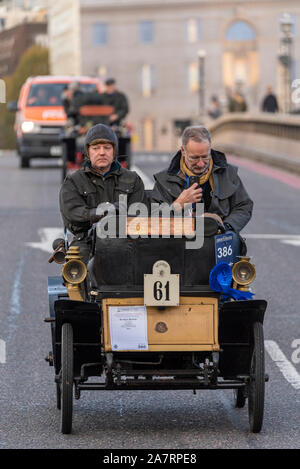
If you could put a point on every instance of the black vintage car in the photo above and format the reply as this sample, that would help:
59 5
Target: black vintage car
143 315
91 111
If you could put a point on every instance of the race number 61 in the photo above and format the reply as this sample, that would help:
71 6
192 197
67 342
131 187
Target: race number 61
161 292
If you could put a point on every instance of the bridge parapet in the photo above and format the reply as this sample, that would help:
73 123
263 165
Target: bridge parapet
272 139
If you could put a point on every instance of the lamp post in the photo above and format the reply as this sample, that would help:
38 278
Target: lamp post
285 57
201 64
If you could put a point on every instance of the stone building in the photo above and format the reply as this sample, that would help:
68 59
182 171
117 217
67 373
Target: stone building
171 56
15 41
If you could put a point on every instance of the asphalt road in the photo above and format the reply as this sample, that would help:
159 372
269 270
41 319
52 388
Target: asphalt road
142 419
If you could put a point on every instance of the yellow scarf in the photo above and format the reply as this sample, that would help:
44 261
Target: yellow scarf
206 177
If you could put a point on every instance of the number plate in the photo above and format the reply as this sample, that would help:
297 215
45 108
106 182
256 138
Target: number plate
224 248
161 288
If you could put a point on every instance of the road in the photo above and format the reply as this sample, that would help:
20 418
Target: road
142 419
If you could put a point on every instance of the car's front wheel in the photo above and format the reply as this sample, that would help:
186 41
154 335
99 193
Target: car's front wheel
66 378
256 390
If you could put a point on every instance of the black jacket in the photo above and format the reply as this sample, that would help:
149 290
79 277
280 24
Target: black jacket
270 103
83 190
119 102
229 200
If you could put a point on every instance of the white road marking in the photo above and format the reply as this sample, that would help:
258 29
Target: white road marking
293 242
148 182
153 158
287 369
2 351
47 236
272 236
15 303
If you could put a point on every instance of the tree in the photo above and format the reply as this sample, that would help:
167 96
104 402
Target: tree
35 61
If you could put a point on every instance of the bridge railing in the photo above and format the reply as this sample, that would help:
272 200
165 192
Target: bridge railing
270 138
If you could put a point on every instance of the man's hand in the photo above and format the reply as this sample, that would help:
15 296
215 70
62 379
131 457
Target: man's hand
113 117
191 195
213 215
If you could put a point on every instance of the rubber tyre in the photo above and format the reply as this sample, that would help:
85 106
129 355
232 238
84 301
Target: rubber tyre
239 398
256 390
24 162
58 396
66 378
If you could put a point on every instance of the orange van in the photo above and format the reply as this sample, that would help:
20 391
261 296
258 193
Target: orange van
40 115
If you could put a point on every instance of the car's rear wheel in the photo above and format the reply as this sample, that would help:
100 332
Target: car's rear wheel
24 162
256 389
239 398
58 396
66 378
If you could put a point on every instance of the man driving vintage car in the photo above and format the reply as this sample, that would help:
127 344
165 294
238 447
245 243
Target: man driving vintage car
102 179
116 99
217 183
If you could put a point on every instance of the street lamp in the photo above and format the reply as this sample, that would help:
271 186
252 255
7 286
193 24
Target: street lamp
201 63
285 56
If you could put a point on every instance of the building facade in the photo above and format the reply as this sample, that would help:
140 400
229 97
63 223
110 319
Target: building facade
14 12
171 56
15 41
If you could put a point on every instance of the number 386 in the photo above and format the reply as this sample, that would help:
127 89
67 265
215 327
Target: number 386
225 251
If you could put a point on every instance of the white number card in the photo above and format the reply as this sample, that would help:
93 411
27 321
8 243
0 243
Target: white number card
161 288
128 328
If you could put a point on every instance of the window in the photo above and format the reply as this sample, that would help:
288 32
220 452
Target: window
100 34
148 134
240 31
49 94
193 31
102 71
146 31
193 76
148 80
290 17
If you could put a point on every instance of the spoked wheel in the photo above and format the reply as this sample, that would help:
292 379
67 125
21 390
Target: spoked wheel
66 378
239 398
256 390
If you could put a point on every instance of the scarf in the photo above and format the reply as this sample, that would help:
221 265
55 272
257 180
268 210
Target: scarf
204 178
114 167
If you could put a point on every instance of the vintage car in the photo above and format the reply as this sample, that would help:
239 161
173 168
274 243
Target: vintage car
148 313
91 112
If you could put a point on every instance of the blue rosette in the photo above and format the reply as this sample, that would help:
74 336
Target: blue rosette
220 279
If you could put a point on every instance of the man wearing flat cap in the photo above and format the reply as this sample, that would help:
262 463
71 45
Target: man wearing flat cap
102 179
116 99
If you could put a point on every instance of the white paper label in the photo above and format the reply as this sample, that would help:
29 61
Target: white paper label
128 328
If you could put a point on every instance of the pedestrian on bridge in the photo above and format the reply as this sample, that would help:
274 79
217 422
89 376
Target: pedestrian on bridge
269 103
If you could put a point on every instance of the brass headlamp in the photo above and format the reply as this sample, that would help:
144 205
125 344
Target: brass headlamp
74 271
59 253
243 273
